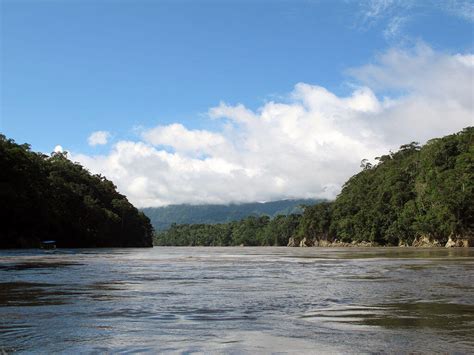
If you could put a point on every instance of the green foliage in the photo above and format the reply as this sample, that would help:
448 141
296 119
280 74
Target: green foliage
163 217
251 231
315 222
415 191
50 197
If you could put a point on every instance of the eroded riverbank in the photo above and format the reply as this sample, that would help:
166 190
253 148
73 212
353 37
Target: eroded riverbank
420 242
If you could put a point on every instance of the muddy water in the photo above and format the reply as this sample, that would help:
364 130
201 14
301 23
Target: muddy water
238 300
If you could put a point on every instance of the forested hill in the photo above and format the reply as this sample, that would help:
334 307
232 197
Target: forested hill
415 194
51 198
163 217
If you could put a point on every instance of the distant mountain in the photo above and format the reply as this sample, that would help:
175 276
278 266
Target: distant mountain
163 217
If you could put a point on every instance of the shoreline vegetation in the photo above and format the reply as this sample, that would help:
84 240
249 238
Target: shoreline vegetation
420 196
51 198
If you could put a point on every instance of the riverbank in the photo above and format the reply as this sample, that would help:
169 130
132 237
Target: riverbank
420 242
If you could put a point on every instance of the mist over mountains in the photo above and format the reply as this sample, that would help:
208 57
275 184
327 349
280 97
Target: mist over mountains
163 217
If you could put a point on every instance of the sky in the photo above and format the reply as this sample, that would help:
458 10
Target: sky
233 101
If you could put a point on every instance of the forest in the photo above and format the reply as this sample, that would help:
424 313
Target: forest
163 217
250 231
418 191
48 197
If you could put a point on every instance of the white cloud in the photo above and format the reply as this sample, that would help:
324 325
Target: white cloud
98 138
183 140
392 13
377 8
58 149
394 27
307 145
395 14
461 8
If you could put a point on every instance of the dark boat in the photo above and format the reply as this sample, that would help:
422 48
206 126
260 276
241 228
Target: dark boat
48 244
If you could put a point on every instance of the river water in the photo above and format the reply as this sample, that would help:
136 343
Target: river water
237 300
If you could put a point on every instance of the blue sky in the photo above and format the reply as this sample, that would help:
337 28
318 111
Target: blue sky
70 68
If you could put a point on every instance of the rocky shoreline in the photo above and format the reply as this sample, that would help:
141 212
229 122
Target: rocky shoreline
420 242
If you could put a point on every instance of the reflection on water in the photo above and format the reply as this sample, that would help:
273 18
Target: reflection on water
242 300
27 294
454 318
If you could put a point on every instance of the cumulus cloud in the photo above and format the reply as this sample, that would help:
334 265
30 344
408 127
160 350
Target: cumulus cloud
307 145
183 140
98 138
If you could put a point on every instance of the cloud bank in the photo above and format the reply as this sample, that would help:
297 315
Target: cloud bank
307 145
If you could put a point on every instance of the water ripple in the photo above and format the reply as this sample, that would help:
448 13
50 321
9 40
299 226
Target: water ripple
237 300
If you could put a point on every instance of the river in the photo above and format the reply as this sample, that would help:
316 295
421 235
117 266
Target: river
237 300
